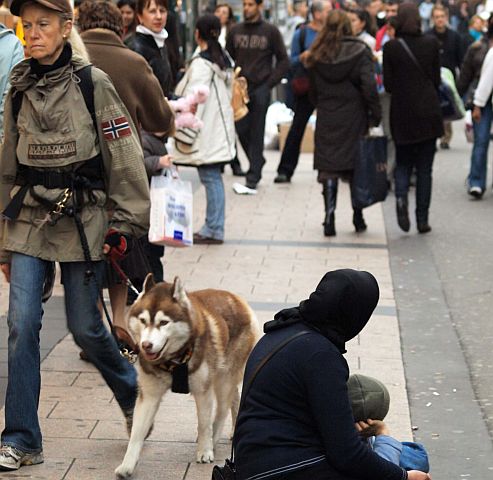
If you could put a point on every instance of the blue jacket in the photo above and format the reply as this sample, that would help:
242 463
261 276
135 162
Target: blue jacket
11 53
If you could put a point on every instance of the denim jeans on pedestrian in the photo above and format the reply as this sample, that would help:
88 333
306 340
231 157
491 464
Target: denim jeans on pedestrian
479 155
251 131
420 156
211 177
289 159
84 322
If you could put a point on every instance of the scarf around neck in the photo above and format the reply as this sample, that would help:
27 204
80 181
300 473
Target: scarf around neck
61 61
159 38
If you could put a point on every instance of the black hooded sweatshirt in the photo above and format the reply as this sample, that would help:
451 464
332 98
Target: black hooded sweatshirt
296 418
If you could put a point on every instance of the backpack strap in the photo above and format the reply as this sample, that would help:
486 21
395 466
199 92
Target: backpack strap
17 97
86 86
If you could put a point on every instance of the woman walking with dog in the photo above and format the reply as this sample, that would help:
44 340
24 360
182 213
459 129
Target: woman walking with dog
70 150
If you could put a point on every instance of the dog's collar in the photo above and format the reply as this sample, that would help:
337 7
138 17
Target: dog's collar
181 358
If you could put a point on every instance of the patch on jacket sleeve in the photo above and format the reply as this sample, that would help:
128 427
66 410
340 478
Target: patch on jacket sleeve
116 128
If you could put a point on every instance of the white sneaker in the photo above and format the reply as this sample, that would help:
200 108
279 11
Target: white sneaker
476 192
243 189
12 458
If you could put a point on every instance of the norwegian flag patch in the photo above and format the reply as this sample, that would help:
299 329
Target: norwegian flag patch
116 128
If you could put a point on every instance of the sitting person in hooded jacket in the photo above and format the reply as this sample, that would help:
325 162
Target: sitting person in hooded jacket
295 420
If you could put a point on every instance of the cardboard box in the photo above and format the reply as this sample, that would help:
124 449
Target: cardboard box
308 142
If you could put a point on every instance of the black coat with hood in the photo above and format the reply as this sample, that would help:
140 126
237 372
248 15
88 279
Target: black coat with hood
296 418
345 95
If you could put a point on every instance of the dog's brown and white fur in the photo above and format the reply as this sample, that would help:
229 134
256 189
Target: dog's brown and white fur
222 330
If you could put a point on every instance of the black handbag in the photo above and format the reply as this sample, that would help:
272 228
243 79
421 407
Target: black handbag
228 470
369 183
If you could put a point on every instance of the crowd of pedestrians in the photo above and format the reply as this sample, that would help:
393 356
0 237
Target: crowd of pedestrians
85 123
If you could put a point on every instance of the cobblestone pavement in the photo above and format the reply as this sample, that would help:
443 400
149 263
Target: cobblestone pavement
274 255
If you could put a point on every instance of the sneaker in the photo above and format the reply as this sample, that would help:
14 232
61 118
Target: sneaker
282 178
476 192
12 458
244 189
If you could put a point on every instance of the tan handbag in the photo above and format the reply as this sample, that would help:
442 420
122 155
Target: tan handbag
240 97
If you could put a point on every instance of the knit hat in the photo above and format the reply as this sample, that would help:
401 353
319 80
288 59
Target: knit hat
62 6
369 398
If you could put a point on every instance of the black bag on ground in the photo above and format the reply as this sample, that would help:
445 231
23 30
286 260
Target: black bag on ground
369 184
226 472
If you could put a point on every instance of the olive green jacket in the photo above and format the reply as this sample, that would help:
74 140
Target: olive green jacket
55 130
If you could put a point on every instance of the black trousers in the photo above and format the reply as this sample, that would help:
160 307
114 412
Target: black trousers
419 156
303 110
251 131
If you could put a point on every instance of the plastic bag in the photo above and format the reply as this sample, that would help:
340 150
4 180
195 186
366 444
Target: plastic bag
171 210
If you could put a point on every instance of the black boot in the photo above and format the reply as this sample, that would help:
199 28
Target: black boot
402 214
330 199
422 223
358 220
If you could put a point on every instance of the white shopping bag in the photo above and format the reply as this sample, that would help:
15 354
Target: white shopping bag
171 210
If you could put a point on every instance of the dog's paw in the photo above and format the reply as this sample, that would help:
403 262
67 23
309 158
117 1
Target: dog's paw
206 456
123 472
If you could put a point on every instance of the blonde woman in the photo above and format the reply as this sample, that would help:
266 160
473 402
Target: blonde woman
70 149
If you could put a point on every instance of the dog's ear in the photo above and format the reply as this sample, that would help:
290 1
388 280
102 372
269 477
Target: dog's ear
179 293
149 282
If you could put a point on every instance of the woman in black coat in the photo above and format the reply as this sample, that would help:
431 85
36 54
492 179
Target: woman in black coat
344 92
295 421
415 114
150 40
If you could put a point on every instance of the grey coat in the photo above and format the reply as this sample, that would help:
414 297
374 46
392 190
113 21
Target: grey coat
345 95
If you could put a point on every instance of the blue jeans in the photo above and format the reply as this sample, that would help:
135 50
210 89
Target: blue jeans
479 155
211 178
84 322
419 156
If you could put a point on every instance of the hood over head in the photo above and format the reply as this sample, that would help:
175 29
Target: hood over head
339 68
339 308
369 398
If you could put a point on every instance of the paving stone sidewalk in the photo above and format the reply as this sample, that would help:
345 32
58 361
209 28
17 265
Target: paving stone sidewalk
275 254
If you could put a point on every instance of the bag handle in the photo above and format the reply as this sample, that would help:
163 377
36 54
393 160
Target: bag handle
255 373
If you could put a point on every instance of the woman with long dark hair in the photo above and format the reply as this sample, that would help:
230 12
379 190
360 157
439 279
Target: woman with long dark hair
224 12
215 144
345 95
411 72
361 25
128 9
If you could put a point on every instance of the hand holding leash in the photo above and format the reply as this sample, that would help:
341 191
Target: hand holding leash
116 245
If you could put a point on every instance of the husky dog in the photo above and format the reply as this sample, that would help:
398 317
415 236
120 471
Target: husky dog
212 332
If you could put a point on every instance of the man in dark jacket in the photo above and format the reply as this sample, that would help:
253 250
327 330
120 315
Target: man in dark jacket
254 44
451 54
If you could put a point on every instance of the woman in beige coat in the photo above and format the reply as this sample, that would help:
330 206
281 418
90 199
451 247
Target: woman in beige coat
215 143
